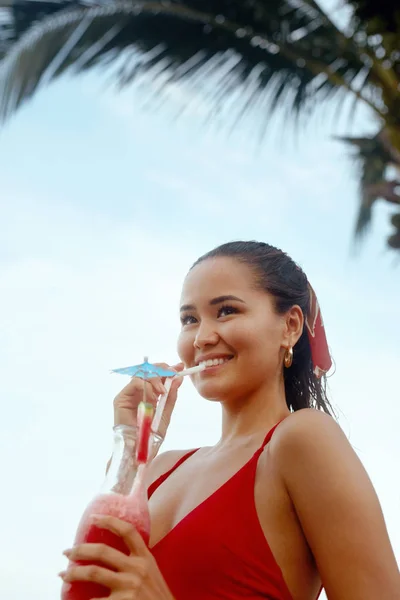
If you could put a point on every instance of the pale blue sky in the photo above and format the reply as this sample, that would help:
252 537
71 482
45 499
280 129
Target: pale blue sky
104 208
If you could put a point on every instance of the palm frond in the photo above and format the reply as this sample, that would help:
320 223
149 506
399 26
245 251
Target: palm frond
376 25
374 156
381 17
262 53
394 239
17 16
298 53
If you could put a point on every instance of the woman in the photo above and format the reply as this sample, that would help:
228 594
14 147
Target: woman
281 504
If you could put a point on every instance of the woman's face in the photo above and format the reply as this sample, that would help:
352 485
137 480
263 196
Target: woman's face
227 321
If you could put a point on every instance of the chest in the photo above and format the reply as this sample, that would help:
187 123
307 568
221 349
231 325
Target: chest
237 508
204 479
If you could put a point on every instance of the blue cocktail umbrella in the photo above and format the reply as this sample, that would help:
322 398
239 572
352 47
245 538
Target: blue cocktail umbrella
145 371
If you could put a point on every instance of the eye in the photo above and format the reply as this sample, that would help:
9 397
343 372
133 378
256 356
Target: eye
226 310
187 320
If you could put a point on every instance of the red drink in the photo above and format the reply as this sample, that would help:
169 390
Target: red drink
123 496
127 508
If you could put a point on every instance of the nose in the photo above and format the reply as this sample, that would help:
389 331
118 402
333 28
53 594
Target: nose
206 335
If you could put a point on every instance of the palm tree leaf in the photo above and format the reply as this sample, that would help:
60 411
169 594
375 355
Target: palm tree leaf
377 27
373 157
17 16
381 16
289 44
394 239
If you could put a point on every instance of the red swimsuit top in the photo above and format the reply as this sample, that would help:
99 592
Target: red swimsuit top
219 551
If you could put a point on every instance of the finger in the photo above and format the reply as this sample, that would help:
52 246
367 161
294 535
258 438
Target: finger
172 396
117 596
102 553
132 394
121 595
152 390
95 574
135 385
169 406
135 388
167 368
127 401
124 530
157 383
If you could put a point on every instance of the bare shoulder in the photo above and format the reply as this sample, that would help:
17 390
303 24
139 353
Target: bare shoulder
310 439
303 420
307 442
337 507
162 463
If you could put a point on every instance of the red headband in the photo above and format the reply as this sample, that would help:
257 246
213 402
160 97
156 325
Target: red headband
316 334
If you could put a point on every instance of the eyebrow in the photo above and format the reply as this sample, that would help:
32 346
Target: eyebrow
213 302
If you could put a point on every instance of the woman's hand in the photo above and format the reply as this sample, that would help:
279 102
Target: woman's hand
127 401
133 577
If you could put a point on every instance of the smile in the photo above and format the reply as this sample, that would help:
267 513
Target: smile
215 362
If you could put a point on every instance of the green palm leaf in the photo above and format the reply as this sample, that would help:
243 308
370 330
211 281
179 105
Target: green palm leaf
268 53
374 156
295 49
394 239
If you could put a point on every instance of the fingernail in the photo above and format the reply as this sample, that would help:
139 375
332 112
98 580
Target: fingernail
97 518
62 574
67 553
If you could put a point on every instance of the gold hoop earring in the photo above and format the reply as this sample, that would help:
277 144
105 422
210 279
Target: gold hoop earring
288 357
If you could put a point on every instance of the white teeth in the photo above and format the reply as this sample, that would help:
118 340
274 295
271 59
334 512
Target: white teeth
214 362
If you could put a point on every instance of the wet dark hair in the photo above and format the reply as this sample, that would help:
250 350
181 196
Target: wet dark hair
276 273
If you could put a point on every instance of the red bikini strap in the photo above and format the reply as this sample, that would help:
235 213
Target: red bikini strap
269 435
153 486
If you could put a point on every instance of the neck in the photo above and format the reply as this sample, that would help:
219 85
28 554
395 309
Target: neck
255 414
